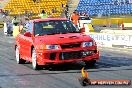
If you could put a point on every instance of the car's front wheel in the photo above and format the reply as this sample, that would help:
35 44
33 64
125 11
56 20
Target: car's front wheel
18 59
35 66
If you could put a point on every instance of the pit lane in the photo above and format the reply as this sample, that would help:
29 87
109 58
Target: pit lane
114 63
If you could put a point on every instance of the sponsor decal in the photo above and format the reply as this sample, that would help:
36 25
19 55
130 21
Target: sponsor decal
85 80
102 39
122 40
110 40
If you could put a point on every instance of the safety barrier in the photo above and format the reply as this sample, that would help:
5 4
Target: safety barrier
112 40
103 40
116 31
16 30
127 25
5 28
109 21
1 24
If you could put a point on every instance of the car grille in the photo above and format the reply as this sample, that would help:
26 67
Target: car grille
76 54
70 55
63 46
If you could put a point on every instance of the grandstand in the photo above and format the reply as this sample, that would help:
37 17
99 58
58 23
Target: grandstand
94 8
105 7
20 6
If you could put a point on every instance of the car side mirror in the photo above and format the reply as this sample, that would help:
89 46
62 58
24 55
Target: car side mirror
28 34
82 30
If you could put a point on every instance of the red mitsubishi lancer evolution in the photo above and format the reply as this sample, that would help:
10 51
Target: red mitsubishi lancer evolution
54 41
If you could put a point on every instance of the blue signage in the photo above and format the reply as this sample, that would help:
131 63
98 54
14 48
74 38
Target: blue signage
103 37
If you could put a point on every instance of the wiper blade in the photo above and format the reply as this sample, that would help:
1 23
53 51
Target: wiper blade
51 34
74 32
63 32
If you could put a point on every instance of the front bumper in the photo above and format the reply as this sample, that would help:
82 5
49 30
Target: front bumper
67 55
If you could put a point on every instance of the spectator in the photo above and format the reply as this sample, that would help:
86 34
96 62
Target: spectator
34 1
67 7
30 14
26 13
75 18
9 28
66 11
5 13
38 1
15 21
62 5
43 14
54 10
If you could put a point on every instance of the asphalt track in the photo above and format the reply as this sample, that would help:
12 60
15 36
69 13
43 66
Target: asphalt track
113 64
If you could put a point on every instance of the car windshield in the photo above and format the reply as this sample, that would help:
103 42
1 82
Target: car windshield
54 27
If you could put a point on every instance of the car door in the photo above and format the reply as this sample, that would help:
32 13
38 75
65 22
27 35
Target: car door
26 41
21 42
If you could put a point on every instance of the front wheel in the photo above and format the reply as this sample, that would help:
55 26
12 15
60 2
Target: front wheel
18 59
35 66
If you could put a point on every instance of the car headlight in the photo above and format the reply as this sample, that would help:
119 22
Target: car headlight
52 47
85 44
43 46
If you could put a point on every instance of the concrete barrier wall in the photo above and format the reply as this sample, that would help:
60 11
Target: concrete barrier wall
108 31
1 24
106 21
112 40
103 40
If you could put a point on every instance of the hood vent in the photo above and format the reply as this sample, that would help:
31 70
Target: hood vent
73 37
61 37
73 45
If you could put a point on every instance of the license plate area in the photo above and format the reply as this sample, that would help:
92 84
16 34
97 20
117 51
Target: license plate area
70 55
75 54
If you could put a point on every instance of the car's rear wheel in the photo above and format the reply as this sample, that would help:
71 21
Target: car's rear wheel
35 65
90 63
18 59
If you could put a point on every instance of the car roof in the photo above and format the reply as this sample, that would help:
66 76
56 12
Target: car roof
47 19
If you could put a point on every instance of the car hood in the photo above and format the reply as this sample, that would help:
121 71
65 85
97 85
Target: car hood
62 38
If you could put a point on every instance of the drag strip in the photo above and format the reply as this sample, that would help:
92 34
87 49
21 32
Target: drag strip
113 64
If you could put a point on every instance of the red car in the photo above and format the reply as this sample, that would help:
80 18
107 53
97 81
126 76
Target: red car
54 41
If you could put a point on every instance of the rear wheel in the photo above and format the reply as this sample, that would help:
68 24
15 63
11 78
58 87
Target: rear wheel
18 59
35 66
90 63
